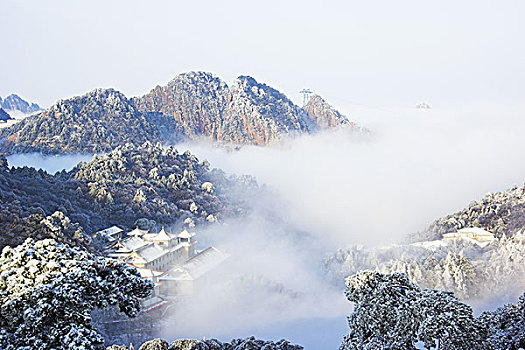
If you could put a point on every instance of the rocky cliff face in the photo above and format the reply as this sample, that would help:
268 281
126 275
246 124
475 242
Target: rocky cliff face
248 112
323 115
259 114
14 102
196 100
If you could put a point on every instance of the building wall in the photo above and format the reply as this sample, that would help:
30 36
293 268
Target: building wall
176 288
174 257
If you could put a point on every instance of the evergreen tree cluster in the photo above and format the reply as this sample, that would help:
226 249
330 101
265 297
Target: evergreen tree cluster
48 291
126 187
465 268
502 213
393 313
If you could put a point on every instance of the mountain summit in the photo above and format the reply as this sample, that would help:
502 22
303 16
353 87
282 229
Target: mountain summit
248 112
193 105
14 103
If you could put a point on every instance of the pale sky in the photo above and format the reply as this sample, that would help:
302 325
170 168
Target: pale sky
373 53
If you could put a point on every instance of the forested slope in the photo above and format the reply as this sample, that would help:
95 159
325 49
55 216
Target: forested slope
468 269
98 121
158 185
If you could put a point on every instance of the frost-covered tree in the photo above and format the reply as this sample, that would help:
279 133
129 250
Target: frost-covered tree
393 313
48 290
501 213
506 326
446 323
118 188
457 274
382 314
465 268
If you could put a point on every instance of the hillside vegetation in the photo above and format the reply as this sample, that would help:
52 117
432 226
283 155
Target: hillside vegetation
470 270
130 185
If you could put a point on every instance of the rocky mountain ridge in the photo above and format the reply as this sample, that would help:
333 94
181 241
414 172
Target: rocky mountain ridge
98 121
193 105
14 102
248 112
250 343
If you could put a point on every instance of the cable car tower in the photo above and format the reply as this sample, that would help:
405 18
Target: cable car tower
306 93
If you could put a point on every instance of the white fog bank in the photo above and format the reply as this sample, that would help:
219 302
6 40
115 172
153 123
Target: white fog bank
417 165
333 190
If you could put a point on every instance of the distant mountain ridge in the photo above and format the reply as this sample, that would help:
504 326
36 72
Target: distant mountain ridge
14 102
191 106
248 112
98 121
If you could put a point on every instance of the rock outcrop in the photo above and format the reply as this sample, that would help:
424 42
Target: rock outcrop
196 100
248 112
324 115
259 114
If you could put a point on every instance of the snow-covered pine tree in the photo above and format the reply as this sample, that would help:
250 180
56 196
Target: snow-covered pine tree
382 316
393 313
506 326
48 290
446 323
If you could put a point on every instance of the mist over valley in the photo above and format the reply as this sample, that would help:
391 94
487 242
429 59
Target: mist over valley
262 176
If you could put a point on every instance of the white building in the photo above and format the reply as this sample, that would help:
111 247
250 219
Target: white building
474 234
155 251
112 234
180 280
169 260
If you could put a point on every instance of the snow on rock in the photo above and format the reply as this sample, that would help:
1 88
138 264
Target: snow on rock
247 112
